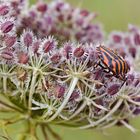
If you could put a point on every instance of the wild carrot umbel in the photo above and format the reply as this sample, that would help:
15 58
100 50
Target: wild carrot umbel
48 54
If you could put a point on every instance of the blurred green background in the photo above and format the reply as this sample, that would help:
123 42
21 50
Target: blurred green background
114 14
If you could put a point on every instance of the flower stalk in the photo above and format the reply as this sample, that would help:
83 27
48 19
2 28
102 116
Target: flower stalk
67 97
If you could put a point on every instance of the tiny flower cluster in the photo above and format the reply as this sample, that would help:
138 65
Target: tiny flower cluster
56 81
60 19
127 44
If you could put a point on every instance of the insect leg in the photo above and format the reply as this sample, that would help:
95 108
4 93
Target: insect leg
96 64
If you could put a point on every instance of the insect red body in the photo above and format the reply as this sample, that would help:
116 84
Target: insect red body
112 63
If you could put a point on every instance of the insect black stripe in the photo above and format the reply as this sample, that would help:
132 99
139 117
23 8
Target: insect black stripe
110 62
111 53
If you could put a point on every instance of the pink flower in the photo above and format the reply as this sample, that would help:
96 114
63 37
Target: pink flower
7 26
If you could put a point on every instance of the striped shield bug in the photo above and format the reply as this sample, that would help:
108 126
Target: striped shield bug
112 62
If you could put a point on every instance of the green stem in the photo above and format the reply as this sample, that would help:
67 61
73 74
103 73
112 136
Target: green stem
4 137
32 89
128 126
55 135
32 129
5 84
93 124
78 110
11 107
68 95
108 125
44 132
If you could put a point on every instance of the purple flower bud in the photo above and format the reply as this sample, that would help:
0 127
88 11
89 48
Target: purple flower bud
8 55
79 35
61 18
67 49
4 9
98 74
42 7
93 56
130 79
78 52
33 14
10 40
137 99
23 58
137 39
59 91
127 41
116 38
48 46
136 82
79 22
84 13
48 20
136 111
7 26
132 51
15 3
28 39
56 58
99 102
75 95
59 6
27 22
35 46
113 89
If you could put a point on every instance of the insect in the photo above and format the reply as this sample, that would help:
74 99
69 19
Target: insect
112 63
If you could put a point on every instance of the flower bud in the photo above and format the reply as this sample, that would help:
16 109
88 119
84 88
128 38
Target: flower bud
136 111
113 89
10 40
8 55
117 38
75 95
127 41
59 6
47 45
28 39
78 52
137 39
133 52
67 49
42 7
84 13
35 46
4 9
136 82
59 91
7 26
55 58
130 79
23 58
